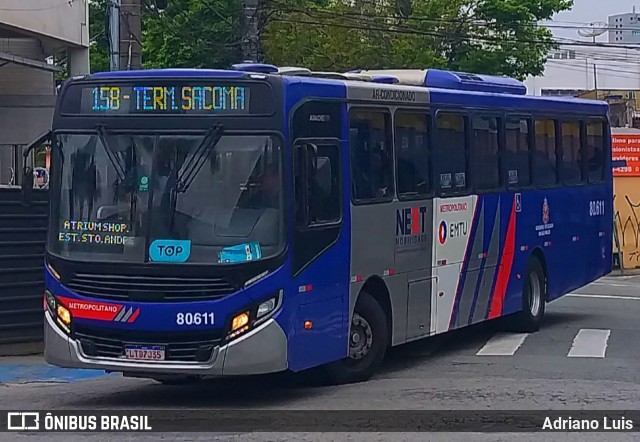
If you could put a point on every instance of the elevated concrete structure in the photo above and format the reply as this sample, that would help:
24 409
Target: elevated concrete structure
31 32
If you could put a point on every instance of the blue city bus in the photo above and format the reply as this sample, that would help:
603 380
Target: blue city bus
261 219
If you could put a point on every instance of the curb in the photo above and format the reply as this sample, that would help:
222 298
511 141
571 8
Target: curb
26 349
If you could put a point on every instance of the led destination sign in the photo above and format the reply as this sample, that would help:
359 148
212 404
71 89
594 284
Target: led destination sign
165 99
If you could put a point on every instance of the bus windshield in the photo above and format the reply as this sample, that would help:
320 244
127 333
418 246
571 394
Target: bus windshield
205 199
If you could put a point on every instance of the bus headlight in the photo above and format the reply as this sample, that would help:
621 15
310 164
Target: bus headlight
253 316
50 300
266 307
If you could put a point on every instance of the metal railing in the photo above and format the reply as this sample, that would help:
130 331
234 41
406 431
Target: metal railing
11 164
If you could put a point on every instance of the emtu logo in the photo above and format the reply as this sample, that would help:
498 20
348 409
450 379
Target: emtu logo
442 232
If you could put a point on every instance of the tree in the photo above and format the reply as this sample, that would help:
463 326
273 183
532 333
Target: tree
187 33
193 34
485 36
99 40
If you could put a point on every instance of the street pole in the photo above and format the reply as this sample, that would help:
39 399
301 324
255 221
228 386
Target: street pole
130 34
114 34
595 78
250 26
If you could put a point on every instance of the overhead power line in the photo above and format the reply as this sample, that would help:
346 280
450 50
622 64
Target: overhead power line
480 38
362 21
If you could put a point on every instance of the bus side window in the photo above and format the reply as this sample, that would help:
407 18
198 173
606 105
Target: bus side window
545 158
571 152
517 152
486 153
371 156
412 154
594 151
317 185
451 148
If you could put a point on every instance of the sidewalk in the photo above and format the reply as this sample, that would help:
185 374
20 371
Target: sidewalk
627 272
28 369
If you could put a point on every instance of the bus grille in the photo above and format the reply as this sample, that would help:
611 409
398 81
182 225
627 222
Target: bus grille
179 347
150 288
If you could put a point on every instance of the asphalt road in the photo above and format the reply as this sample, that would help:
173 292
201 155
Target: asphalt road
586 356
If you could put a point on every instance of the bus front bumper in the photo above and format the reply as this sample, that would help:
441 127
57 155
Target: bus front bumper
263 350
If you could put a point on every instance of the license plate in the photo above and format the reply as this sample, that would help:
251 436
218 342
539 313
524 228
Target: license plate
144 352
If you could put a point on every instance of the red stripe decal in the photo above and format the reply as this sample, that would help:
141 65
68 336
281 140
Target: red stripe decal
415 221
134 316
506 262
100 311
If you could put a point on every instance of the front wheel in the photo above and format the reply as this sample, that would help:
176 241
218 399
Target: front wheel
534 297
368 341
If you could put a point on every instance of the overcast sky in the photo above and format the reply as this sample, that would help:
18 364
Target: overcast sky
588 11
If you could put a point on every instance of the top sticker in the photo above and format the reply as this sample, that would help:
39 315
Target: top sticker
170 250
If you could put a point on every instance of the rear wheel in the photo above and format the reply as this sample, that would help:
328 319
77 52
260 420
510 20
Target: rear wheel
368 341
534 297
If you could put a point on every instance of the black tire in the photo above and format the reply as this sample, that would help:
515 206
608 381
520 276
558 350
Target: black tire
534 298
364 360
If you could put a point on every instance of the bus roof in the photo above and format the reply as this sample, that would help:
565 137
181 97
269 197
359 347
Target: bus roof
444 87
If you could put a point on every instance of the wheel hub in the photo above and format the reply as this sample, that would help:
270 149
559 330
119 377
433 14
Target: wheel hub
535 294
361 338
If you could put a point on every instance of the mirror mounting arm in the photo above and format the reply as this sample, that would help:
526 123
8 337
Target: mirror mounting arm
27 171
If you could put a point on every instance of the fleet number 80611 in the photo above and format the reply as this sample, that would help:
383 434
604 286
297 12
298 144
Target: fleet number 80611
195 318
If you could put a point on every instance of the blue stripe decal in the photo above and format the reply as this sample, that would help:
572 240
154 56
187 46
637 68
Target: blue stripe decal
490 209
465 262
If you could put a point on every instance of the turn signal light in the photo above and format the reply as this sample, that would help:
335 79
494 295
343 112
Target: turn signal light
64 315
240 321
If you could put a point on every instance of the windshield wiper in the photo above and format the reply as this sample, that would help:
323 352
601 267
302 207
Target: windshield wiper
192 166
117 165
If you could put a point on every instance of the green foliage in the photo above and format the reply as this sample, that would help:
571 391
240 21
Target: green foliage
98 51
189 33
486 36
193 34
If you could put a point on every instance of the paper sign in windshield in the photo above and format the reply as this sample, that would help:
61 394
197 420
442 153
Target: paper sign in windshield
170 250
240 253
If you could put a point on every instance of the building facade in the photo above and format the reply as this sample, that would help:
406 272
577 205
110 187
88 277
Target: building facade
609 74
31 32
624 28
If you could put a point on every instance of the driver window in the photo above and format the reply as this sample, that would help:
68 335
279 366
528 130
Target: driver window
317 185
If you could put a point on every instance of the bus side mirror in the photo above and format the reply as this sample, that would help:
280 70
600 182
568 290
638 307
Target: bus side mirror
27 186
27 172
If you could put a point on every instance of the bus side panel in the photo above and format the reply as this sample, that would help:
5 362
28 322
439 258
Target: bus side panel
573 236
538 221
598 217
318 330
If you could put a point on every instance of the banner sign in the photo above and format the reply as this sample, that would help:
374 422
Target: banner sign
253 420
626 147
